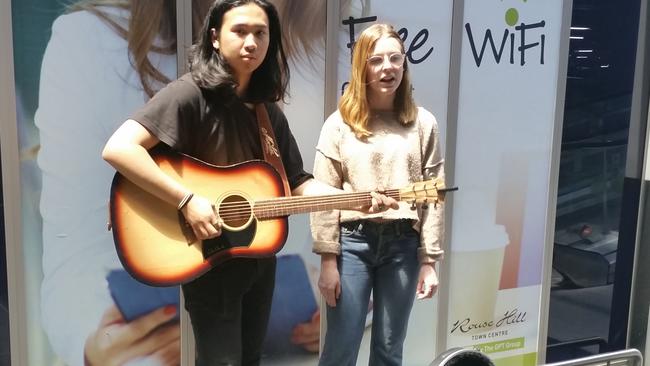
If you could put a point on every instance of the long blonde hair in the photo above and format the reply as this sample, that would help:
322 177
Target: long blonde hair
353 105
148 19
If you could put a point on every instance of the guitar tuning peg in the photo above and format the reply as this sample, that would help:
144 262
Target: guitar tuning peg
413 206
425 204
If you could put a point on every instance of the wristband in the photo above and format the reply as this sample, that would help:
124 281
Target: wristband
185 200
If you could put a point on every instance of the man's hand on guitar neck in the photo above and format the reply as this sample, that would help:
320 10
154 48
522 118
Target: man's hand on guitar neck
202 217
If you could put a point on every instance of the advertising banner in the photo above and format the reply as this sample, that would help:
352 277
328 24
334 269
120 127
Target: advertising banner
76 82
426 29
81 69
78 78
506 116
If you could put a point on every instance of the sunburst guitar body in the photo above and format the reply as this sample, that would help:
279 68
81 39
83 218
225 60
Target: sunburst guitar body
156 246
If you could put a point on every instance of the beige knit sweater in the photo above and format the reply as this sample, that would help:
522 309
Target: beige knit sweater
392 158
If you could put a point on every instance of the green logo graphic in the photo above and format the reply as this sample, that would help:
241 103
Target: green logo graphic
501 346
512 15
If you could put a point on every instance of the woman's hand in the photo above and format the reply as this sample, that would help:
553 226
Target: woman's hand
115 342
427 281
329 281
307 335
380 203
202 217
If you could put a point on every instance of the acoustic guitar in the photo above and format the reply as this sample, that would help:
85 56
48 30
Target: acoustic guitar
158 248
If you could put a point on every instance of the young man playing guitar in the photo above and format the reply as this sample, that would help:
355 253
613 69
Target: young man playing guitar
208 114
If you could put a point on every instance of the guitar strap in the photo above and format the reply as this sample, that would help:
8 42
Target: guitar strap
270 145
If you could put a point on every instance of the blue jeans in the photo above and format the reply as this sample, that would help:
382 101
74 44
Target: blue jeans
381 258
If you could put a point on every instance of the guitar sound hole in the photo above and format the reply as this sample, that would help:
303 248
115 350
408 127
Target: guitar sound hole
235 211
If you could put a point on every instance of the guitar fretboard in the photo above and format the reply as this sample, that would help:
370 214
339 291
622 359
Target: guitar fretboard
285 206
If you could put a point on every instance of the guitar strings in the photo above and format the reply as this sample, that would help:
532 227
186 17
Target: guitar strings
242 209
294 200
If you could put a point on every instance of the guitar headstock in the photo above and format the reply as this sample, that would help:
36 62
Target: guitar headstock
430 191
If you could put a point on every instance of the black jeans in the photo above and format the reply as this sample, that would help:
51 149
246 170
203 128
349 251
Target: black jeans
229 307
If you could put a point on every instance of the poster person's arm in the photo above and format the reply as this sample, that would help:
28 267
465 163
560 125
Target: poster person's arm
116 342
74 122
73 198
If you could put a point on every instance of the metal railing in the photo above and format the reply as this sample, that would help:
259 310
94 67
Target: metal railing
627 357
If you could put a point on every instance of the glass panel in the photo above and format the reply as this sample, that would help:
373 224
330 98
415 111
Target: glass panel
31 25
77 79
5 349
591 177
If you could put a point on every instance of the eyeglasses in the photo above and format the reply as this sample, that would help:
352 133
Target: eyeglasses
395 59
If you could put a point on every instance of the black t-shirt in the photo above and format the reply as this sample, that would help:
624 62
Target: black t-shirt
195 123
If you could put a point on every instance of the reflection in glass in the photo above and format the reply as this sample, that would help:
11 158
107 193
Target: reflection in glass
591 177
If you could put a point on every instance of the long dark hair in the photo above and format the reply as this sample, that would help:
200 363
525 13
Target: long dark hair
211 72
